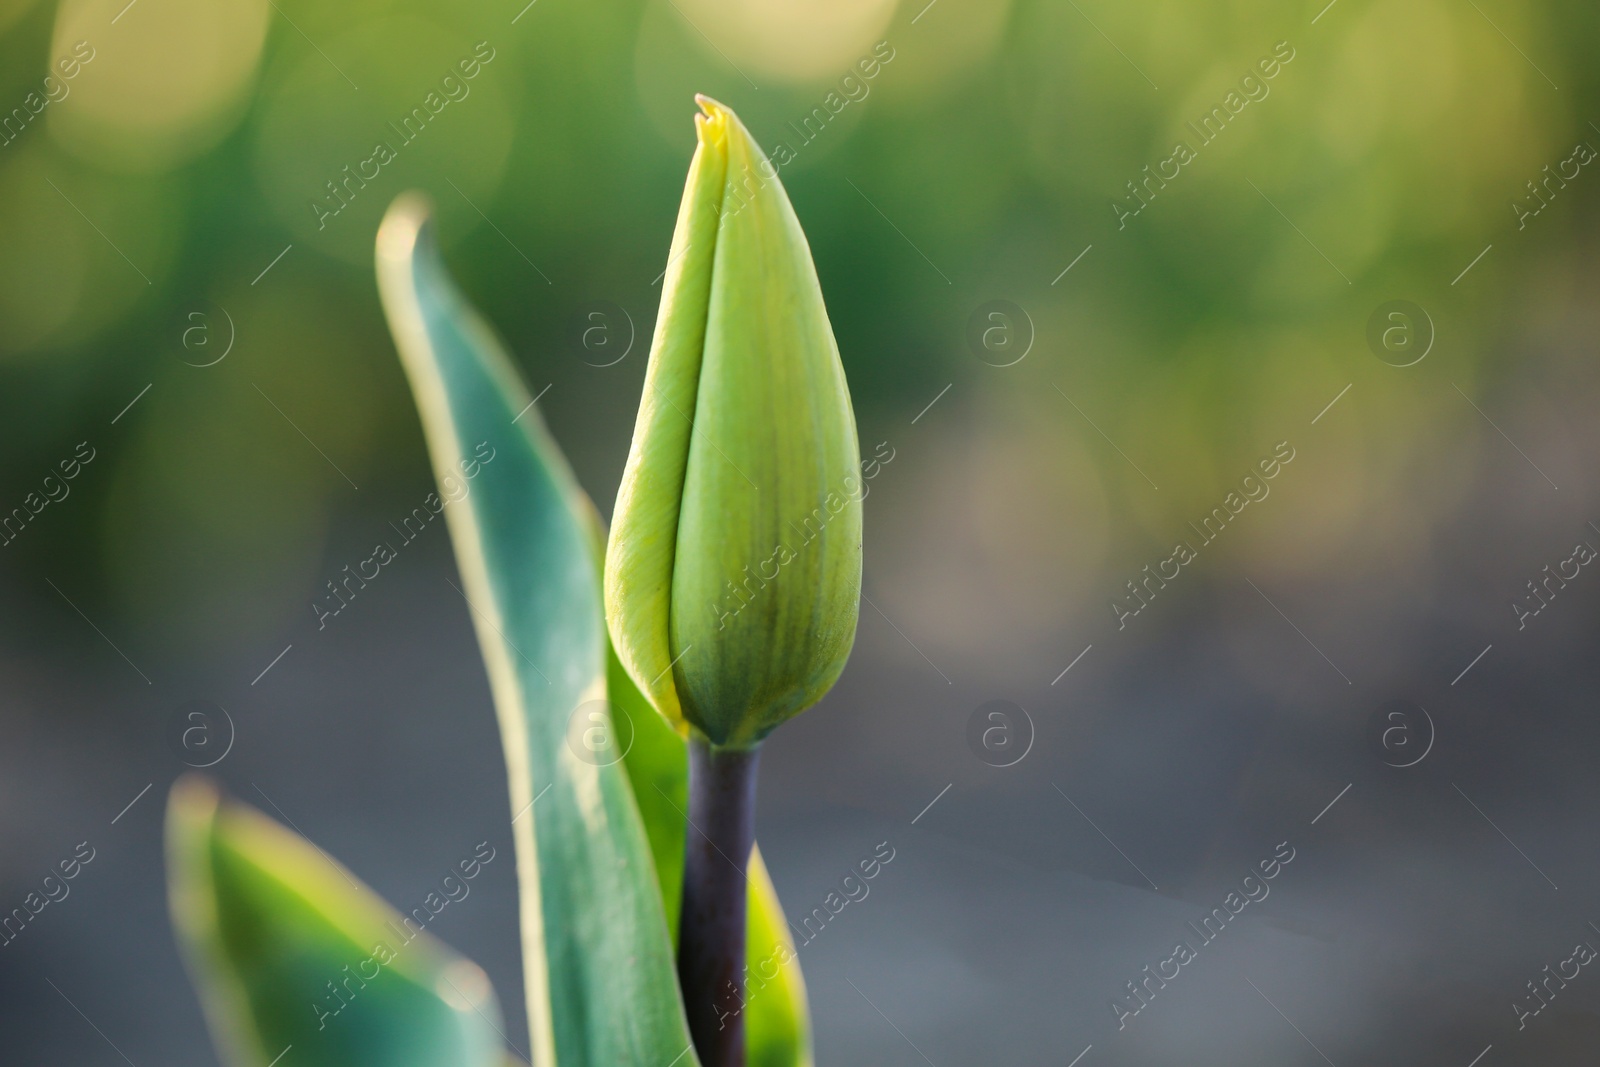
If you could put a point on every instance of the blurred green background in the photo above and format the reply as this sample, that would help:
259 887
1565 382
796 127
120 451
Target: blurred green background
189 151
177 291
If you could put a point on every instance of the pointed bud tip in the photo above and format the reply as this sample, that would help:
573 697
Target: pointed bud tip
711 124
688 538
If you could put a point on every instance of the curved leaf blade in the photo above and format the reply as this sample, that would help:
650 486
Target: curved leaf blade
601 984
287 950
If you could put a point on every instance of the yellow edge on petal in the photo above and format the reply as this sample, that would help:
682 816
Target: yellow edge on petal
642 543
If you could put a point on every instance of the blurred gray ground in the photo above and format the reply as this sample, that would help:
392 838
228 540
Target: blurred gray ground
1414 912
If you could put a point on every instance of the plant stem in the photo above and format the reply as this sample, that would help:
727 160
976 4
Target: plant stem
711 926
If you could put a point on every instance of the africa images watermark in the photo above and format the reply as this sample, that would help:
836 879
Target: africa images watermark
55 490
410 528
1582 155
1583 954
453 888
55 891
1212 123
1252 487
810 527
1583 553
342 191
56 89
853 88
854 890
1253 889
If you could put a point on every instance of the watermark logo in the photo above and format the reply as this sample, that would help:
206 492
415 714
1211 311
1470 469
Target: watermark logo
1000 733
599 733
1400 733
205 343
1000 333
602 334
1400 333
200 733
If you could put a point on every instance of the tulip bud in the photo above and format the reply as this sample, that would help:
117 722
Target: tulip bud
733 572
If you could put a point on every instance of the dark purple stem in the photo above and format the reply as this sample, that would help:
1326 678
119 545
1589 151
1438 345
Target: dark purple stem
711 927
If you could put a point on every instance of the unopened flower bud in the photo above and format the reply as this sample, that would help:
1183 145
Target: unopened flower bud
733 572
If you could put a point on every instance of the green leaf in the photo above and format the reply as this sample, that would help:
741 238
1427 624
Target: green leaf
288 950
777 1025
601 984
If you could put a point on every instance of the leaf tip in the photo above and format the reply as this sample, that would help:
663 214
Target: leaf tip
409 217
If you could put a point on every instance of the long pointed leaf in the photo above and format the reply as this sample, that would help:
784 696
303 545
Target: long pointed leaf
287 950
777 1025
601 986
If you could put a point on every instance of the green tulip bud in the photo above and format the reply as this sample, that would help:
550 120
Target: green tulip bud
733 572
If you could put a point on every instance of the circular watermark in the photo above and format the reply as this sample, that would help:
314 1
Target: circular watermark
1400 733
601 333
1000 333
599 733
200 733
1400 333
208 335
1000 733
